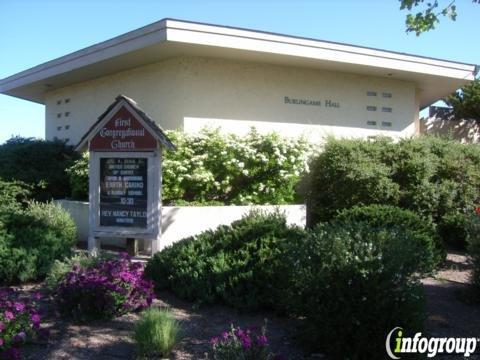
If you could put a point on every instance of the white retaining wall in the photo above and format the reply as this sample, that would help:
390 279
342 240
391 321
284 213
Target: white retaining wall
179 222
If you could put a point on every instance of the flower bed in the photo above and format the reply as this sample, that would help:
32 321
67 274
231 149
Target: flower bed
248 344
109 288
20 322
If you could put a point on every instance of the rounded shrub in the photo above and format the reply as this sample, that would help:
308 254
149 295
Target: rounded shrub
352 285
454 230
31 239
240 265
429 252
430 176
474 251
39 163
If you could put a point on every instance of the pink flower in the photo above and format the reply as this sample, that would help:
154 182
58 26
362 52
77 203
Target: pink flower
9 315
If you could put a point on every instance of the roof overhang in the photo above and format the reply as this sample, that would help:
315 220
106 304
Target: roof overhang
167 38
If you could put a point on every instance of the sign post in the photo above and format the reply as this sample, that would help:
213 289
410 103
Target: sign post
125 189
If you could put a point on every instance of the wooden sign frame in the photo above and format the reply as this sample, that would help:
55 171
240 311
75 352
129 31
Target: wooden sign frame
137 136
154 193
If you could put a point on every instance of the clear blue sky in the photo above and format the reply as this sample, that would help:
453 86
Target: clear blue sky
35 31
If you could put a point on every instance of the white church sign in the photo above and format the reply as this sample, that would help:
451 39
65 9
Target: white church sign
125 148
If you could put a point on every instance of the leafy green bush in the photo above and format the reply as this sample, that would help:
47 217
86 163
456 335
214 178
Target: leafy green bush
78 177
61 267
31 239
430 176
211 168
357 280
429 250
39 163
156 332
239 265
474 250
13 194
453 228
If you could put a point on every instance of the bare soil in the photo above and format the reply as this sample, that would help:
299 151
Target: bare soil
449 314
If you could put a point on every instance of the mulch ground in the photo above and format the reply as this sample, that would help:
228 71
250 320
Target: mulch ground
449 314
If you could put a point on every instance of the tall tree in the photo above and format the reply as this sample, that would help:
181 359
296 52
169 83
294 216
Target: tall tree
465 102
429 14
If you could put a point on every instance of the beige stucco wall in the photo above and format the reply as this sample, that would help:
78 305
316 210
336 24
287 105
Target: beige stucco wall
179 222
465 131
191 92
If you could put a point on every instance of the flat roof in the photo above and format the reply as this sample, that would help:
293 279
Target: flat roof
434 78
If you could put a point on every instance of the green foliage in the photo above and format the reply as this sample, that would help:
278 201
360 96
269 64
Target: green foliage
453 228
239 265
78 177
359 281
61 267
429 251
466 102
426 19
432 177
353 276
13 194
474 250
39 163
31 239
156 333
211 168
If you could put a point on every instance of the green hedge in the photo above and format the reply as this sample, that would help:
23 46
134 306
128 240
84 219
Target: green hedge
38 163
212 168
351 284
358 279
239 265
32 237
430 250
474 251
433 177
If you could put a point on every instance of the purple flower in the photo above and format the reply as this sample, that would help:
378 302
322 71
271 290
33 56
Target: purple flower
262 340
246 342
225 335
35 318
20 337
37 296
19 306
9 315
214 340
1 342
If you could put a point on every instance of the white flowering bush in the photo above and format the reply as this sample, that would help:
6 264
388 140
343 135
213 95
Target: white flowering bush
215 168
